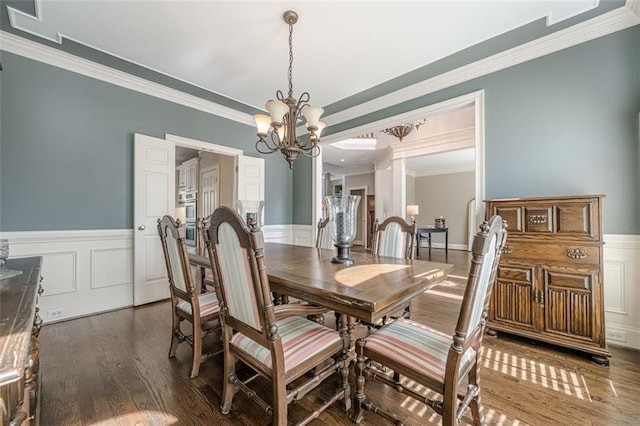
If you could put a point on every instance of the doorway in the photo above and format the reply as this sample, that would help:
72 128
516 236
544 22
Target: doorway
361 218
398 203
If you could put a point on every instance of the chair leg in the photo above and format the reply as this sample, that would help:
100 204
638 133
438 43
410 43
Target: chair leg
175 335
476 403
279 401
357 415
197 349
229 386
449 404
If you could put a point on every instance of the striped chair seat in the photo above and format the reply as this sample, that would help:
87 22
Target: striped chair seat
208 305
416 346
301 339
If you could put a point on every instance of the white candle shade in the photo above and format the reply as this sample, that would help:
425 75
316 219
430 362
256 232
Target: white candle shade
312 115
277 110
263 122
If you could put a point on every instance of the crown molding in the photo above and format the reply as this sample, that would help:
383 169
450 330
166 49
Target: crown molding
607 23
443 172
57 58
634 6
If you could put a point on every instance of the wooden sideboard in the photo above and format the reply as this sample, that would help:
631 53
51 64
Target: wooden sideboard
19 348
550 277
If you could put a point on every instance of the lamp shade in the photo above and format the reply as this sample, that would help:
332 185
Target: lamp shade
321 126
263 122
277 110
413 210
312 115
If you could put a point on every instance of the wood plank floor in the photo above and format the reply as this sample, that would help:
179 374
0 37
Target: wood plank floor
112 369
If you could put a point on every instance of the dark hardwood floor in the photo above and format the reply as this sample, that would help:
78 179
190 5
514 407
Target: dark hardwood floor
113 369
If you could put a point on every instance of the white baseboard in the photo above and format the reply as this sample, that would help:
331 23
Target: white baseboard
87 272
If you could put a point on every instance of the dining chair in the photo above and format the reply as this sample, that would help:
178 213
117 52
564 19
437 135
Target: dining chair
281 348
324 238
428 358
394 237
186 296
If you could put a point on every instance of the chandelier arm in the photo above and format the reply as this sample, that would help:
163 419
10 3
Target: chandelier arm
313 152
280 96
269 149
269 145
303 100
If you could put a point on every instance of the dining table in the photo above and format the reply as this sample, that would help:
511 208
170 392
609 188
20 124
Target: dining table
369 290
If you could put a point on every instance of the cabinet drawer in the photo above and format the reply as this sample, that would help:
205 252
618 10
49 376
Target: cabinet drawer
576 218
545 252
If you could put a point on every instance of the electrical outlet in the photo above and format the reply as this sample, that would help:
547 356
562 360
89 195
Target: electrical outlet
617 335
55 313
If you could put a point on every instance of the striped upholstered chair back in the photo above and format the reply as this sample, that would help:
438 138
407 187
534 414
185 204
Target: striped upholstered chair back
242 284
282 347
434 359
186 298
394 237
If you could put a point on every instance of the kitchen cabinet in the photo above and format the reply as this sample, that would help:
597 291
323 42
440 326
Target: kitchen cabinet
550 277
188 175
182 177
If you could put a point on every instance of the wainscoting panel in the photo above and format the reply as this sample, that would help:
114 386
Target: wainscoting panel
302 235
102 272
84 272
62 268
87 272
622 289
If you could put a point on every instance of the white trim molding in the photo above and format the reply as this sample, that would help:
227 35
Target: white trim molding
622 289
58 58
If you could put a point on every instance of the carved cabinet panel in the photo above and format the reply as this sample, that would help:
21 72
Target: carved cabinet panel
19 346
549 284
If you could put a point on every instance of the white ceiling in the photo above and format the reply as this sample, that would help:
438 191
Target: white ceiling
239 48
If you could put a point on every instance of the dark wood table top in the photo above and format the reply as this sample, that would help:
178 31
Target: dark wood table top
372 288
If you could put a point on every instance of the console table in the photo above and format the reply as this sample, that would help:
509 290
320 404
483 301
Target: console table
19 348
430 231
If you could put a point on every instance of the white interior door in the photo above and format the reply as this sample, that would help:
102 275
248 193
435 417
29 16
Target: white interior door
210 179
154 196
250 178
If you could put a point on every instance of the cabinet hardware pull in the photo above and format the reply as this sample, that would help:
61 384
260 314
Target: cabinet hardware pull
576 253
507 249
538 218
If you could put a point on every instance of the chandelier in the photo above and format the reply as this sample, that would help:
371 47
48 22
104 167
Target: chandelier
403 130
277 132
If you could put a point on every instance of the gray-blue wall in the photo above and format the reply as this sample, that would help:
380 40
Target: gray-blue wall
66 148
563 124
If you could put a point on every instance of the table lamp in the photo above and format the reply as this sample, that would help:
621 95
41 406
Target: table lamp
412 211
